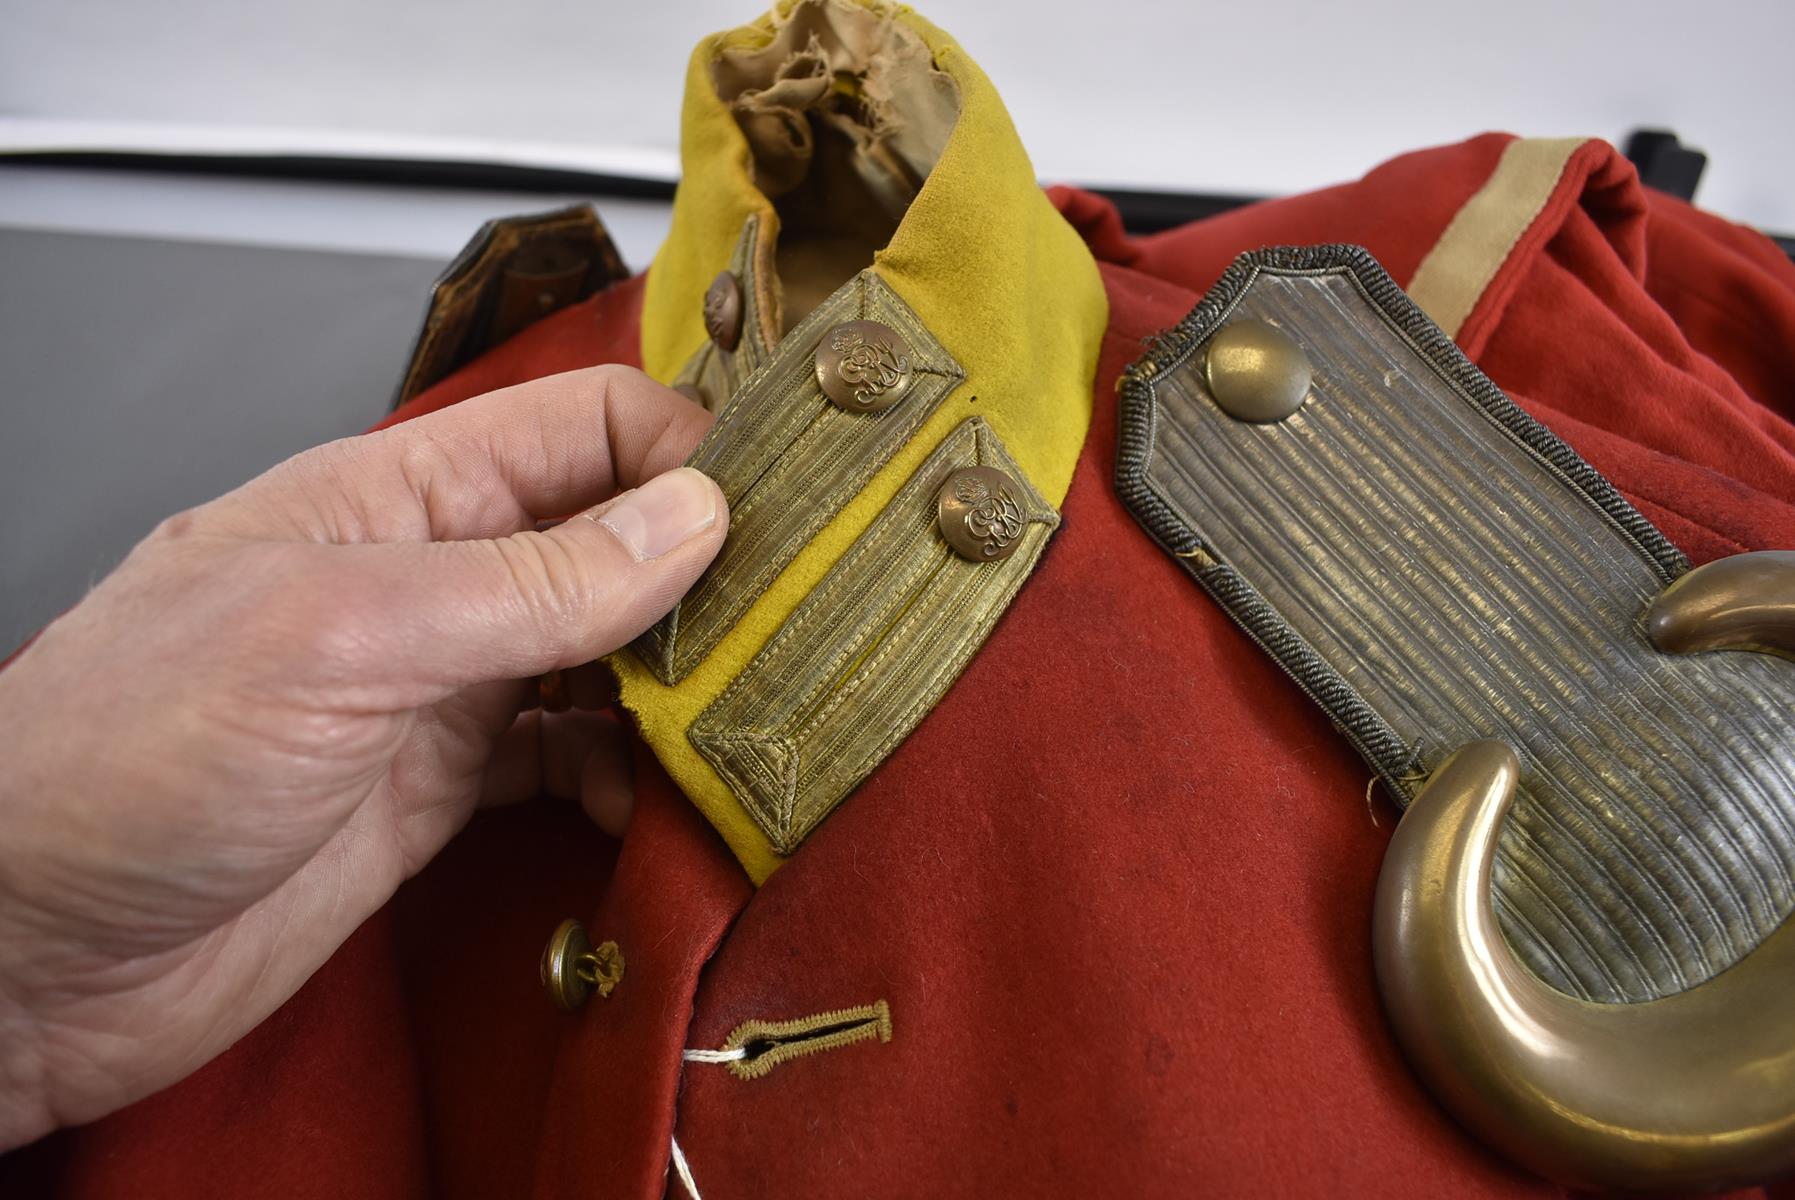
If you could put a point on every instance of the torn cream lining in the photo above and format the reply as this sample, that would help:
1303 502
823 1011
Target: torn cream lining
845 115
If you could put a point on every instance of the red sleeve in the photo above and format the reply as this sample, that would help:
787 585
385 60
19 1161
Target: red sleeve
1659 341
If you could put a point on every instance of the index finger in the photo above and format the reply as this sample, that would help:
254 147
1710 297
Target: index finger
489 466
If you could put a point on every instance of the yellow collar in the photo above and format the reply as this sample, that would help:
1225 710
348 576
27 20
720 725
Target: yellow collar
989 267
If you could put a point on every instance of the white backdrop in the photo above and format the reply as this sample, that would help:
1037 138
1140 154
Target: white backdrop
1267 98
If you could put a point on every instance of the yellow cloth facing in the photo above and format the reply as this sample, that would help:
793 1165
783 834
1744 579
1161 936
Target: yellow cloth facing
987 264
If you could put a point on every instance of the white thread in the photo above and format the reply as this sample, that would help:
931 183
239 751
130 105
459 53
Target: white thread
717 1056
680 1165
684 1170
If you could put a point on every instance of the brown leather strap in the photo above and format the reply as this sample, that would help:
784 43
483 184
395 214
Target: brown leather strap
515 271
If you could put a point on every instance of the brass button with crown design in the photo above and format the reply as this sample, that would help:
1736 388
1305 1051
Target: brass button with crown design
723 311
1256 371
572 968
863 366
981 514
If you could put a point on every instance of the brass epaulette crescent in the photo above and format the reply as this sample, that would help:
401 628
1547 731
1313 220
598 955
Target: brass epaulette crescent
1435 568
1582 929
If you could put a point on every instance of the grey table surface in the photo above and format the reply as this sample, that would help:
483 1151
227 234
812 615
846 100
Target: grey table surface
141 377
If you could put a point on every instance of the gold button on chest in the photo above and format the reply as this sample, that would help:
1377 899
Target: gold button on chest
723 311
981 513
863 366
572 968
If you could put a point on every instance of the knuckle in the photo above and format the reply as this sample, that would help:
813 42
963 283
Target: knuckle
178 526
452 479
419 462
614 385
554 585
607 376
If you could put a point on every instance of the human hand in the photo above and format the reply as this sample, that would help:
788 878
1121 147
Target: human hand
284 702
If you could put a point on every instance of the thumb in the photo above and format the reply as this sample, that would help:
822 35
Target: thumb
471 612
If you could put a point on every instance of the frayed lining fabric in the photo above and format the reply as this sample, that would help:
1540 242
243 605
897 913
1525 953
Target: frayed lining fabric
1017 302
856 77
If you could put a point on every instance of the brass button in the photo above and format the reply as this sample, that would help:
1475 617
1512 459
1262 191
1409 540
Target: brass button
1256 371
723 311
981 514
572 970
863 366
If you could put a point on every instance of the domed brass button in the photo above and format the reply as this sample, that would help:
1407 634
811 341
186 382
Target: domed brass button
863 366
572 970
1256 371
981 514
723 311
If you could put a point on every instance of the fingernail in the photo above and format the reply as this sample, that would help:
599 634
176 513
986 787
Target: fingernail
662 514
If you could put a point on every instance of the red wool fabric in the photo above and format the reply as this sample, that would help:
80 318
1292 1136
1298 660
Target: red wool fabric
1116 888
